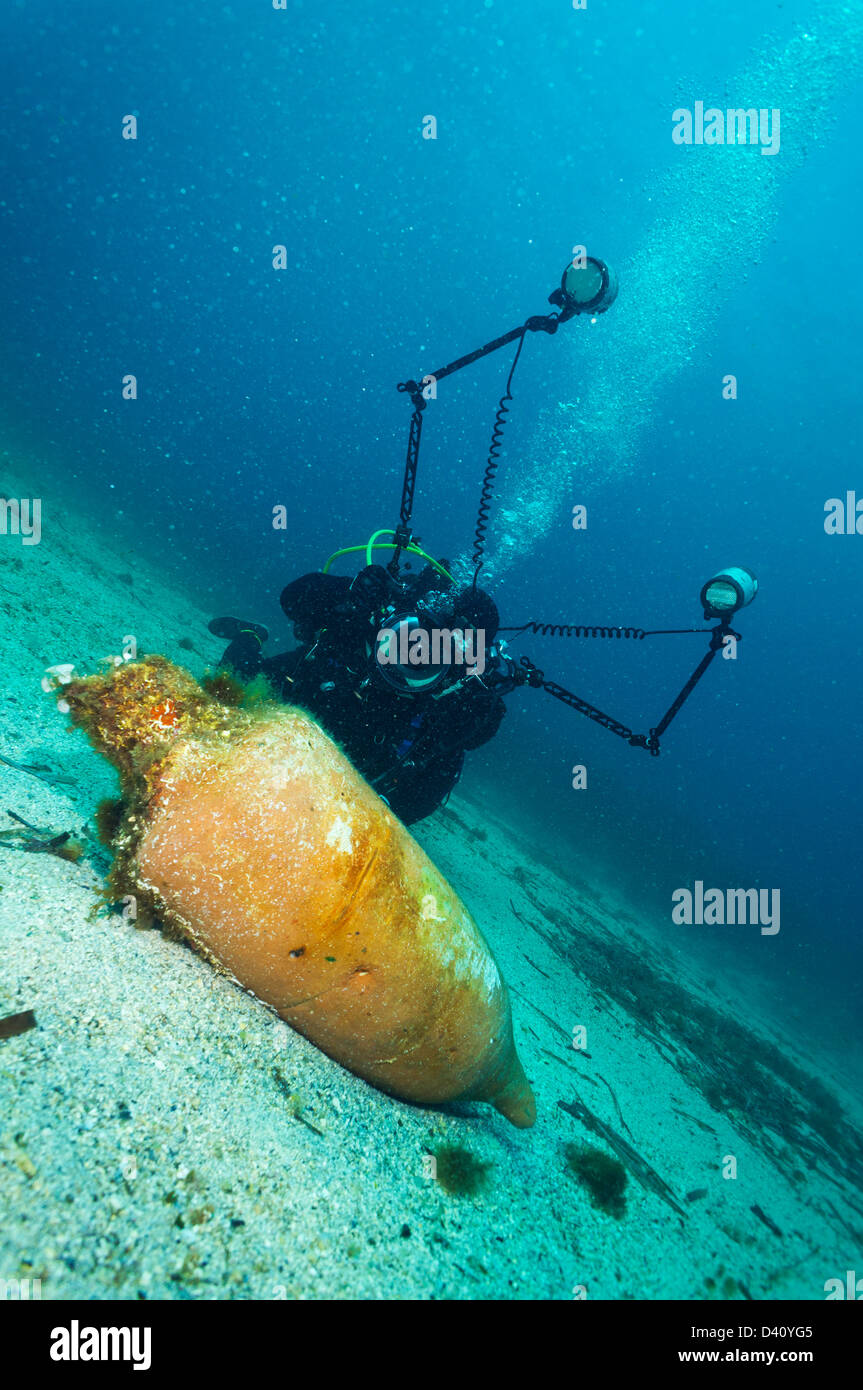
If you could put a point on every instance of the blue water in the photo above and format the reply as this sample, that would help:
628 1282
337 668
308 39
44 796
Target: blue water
303 127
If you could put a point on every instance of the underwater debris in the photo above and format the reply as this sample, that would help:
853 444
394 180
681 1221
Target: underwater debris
458 1171
762 1216
13 1024
578 1052
536 967
696 1194
603 1176
708 1129
295 1102
638 1166
63 846
70 850
616 1103
743 1073
556 1026
41 771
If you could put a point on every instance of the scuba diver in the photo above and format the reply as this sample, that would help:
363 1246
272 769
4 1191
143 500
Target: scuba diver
408 672
405 723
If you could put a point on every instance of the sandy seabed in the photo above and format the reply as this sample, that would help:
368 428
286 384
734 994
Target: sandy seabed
163 1135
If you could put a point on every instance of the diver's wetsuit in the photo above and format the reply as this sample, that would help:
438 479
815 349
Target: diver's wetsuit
409 747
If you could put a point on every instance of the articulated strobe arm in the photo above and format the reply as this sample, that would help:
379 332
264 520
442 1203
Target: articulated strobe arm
533 676
588 287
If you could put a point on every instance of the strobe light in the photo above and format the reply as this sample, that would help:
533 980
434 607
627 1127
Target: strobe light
590 288
728 591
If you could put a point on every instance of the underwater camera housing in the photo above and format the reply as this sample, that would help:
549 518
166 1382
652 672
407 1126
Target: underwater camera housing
420 650
586 289
728 591
392 660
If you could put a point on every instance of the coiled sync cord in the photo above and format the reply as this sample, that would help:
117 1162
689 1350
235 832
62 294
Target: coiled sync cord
492 466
